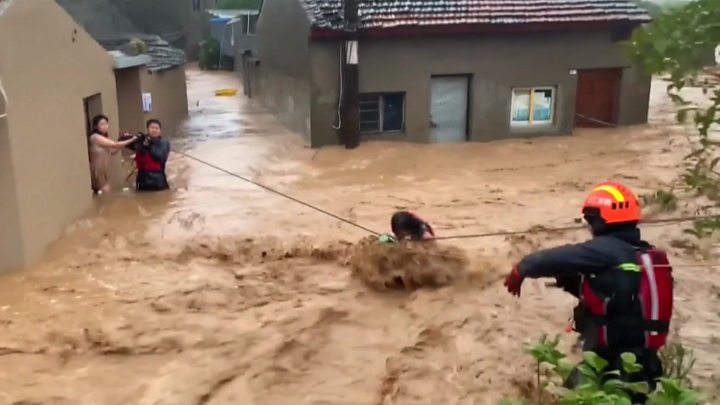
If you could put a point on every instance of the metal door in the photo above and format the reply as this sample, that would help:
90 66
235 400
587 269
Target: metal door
449 107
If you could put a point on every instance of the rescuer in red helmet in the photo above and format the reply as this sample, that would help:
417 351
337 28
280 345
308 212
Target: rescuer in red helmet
624 284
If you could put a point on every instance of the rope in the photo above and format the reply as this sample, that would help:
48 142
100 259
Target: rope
536 230
597 121
533 230
280 193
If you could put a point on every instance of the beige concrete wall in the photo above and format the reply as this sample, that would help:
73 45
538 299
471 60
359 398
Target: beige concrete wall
169 97
10 242
129 93
48 65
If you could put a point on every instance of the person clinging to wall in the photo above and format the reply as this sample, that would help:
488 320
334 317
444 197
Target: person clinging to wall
101 147
151 155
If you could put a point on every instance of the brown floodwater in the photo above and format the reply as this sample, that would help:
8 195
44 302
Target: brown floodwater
220 292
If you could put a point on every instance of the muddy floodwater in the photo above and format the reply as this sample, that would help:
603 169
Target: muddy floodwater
220 292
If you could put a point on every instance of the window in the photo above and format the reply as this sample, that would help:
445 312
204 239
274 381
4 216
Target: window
532 106
382 112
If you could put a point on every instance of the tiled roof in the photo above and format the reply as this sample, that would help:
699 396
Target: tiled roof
163 55
398 13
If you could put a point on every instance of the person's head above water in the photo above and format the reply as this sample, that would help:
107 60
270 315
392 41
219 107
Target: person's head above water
154 128
611 207
100 125
405 225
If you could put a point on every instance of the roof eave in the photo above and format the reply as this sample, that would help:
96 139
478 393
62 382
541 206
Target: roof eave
163 68
123 61
457 29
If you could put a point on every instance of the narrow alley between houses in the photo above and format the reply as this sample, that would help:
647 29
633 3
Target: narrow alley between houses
220 292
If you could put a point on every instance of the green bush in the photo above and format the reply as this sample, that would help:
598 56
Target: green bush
678 44
602 386
209 54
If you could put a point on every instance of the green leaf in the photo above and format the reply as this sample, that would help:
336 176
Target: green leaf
688 397
596 362
670 386
622 401
638 387
587 370
564 368
630 365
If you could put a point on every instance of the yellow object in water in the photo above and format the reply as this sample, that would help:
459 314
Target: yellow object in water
225 92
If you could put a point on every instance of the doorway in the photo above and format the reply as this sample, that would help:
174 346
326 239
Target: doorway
597 97
449 108
92 106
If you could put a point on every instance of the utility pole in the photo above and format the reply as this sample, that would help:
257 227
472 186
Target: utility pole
350 103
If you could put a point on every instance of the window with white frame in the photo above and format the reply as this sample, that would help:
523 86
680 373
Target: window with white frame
532 106
382 112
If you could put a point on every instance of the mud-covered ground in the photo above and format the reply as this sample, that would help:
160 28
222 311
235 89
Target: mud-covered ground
223 293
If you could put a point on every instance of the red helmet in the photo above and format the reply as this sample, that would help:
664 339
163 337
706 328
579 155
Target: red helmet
613 203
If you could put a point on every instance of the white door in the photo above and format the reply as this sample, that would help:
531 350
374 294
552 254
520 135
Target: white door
449 106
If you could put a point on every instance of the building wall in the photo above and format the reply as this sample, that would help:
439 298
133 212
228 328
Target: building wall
325 85
46 133
169 97
497 63
244 35
129 89
11 246
282 79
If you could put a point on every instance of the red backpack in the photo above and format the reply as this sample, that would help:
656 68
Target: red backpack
655 296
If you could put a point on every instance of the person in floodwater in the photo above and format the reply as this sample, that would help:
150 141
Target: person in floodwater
406 225
151 155
101 147
624 284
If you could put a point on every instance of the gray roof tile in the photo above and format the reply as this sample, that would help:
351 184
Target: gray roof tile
398 13
163 55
